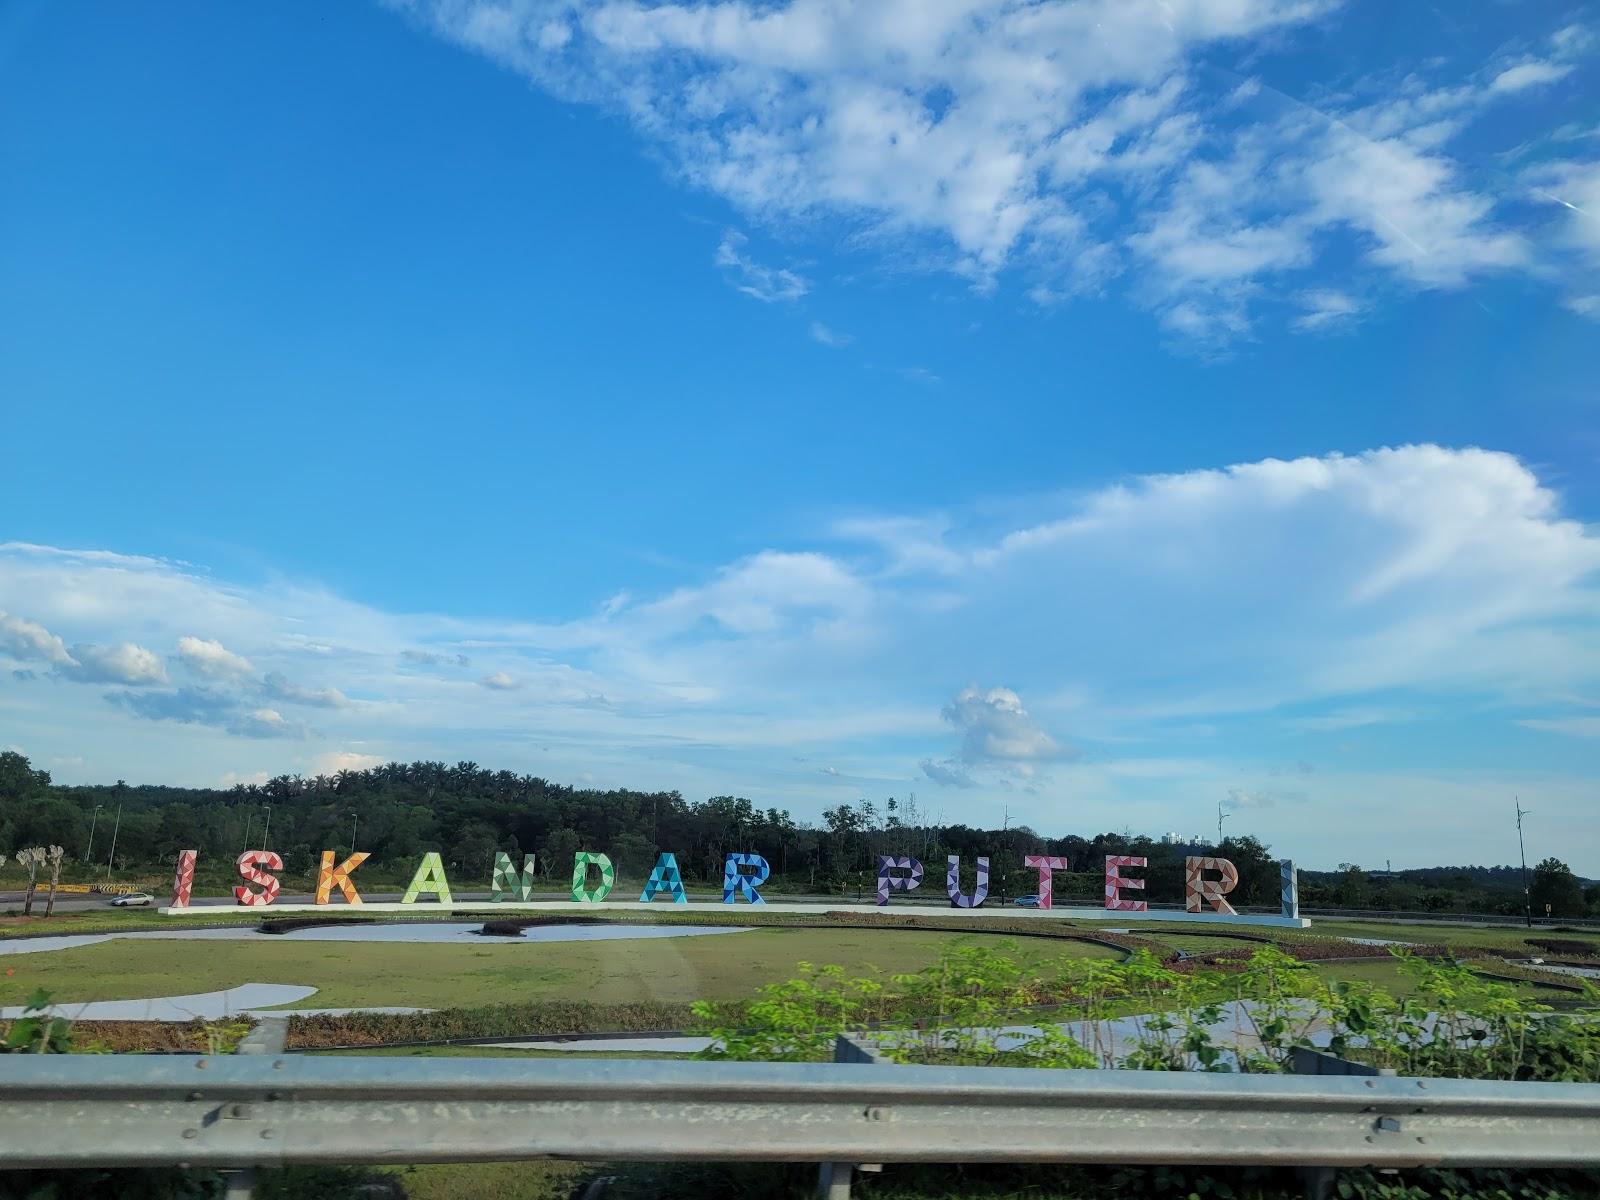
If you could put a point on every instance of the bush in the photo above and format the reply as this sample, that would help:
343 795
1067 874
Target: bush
496 1021
1564 946
1453 1024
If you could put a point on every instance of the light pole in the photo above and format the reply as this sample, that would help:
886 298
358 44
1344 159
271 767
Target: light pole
1221 817
93 817
1527 901
112 857
266 827
248 818
355 821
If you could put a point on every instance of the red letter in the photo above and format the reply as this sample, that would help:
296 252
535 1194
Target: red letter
248 862
1197 889
330 875
1046 865
184 879
1115 882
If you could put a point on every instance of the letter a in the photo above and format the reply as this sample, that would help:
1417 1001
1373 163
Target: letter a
429 878
664 877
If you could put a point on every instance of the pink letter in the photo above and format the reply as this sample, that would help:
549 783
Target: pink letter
1046 865
1115 883
184 879
248 862
1197 889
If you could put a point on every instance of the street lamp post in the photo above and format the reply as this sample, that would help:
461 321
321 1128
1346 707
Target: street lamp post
112 857
266 828
1527 900
355 821
88 855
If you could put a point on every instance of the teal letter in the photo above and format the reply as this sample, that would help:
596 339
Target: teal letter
664 876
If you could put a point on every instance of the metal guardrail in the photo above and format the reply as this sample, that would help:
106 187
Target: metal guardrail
271 1110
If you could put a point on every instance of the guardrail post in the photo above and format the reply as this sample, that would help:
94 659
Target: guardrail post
833 1178
268 1037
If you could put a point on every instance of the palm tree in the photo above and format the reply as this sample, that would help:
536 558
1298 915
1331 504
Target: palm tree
30 858
54 857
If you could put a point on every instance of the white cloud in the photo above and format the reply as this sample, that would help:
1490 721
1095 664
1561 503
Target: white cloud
1326 309
1529 74
31 642
1067 140
1420 222
947 773
1586 727
344 760
269 722
276 687
212 659
128 663
995 728
431 658
826 336
767 284
1267 600
499 681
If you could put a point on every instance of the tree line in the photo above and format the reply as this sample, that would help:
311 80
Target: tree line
468 813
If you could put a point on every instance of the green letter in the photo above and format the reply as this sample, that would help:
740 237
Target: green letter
580 877
506 880
429 878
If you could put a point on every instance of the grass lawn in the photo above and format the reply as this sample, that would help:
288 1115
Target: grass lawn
538 1179
729 966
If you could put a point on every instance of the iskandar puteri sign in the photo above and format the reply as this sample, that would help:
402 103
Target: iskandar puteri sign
1206 885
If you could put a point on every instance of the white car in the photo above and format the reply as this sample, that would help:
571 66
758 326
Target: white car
134 899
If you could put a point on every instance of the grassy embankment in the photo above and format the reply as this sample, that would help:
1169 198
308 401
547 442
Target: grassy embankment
484 972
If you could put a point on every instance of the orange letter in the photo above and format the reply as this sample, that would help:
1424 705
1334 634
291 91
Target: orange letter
248 862
330 875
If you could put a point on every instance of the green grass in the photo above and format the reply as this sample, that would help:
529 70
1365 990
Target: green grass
484 972
537 1179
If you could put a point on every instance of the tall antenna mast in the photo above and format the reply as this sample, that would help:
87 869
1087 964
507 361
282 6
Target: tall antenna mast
1527 901
1221 817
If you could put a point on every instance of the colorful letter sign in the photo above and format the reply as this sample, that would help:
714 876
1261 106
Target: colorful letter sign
249 865
952 884
330 876
1199 891
429 878
897 883
736 883
183 878
664 877
1115 883
1047 866
504 879
1207 881
582 893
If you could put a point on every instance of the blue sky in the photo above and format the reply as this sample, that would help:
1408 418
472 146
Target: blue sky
1096 411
